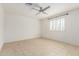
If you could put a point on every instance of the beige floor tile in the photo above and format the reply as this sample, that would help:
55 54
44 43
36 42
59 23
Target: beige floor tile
39 47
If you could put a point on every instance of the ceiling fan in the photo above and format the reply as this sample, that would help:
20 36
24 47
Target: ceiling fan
40 10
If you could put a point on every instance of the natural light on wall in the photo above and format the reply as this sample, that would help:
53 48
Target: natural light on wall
57 24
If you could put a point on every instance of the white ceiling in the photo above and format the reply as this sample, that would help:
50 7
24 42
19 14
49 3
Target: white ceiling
21 8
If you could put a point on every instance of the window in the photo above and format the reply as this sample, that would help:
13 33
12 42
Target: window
57 24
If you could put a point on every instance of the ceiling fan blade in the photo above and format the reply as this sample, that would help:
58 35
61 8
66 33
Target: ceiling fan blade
46 8
44 12
38 13
35 9
33 4
28 3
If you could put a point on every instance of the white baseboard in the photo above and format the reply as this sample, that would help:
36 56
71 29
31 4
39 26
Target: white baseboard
24 38
70 43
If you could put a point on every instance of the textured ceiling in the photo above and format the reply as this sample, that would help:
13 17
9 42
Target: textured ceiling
22 9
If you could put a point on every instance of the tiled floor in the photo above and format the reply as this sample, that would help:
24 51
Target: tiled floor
38 47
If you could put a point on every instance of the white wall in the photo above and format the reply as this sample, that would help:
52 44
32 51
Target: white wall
18 27
1 27
71 33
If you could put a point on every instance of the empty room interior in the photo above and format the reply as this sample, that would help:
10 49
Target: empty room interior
39 29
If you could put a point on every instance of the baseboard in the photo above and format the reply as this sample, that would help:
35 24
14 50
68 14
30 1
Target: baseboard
25 38
61 41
